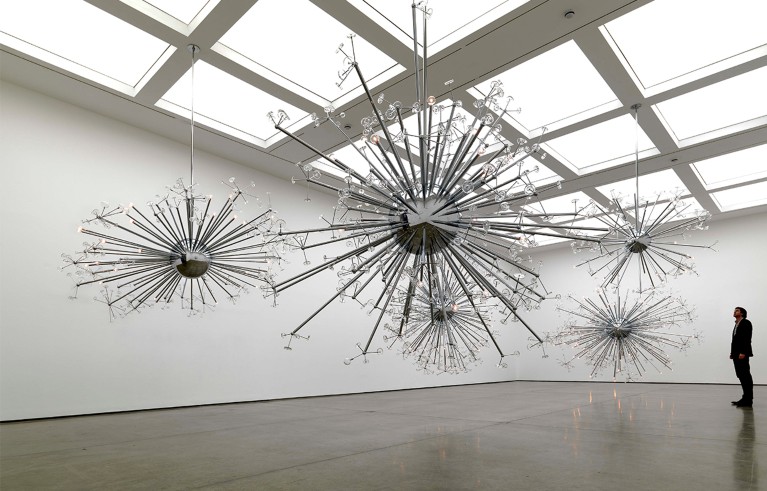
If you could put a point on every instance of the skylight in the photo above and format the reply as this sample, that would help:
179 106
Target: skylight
348 155
82 39
226 103
721 106
184 11
451 20
305 56
699 68
733 168
666 39
741 197
601 146
554 89
650 186
352 158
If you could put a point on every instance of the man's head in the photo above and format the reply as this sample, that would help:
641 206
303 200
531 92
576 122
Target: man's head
740 313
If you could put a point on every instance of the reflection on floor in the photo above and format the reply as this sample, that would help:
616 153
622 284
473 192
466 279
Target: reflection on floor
515 435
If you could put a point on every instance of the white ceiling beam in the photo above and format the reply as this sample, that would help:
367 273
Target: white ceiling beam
203 33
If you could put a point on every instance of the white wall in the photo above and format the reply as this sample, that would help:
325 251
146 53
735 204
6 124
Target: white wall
59 356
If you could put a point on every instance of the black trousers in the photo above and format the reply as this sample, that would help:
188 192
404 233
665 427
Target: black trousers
743 371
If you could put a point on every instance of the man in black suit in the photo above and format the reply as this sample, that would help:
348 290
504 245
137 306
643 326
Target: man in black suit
740 352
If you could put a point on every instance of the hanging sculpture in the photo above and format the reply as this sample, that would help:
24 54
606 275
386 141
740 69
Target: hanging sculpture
653 237
629 336
182 248
436 216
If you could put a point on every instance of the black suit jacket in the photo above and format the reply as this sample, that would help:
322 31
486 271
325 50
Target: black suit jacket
741 340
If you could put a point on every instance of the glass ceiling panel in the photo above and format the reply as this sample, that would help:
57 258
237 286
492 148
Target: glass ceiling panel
184 11
557 85
664 183
741 197
75 35
304 51
451 20
733 168
720 106
226 102
686 35
685 208
351 157
602 146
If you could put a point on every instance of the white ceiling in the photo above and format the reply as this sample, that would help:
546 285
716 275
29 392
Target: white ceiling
697 68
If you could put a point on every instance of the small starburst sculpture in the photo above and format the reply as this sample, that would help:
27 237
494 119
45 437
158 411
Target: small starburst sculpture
653 237
185 252
626 335
180 250
442 323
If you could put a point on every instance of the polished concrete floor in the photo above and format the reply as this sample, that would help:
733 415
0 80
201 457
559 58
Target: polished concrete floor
515 435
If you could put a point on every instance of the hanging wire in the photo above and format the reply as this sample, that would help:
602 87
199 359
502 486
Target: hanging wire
194 49
636 107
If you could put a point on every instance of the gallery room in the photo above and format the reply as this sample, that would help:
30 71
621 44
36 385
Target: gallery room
370 244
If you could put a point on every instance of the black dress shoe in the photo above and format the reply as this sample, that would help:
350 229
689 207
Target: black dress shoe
743 404
735 403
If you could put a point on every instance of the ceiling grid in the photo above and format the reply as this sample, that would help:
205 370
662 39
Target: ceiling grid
475 48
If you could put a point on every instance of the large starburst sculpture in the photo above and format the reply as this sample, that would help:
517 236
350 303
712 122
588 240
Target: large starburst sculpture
627 335
653 237
182 249
429 223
